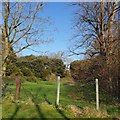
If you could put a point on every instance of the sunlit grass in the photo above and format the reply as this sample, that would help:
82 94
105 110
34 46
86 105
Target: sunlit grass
37 100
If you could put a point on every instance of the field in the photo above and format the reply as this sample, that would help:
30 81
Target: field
38 100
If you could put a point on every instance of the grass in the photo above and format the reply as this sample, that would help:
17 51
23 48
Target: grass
37 100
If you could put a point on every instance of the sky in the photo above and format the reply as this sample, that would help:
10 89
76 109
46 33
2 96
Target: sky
61 16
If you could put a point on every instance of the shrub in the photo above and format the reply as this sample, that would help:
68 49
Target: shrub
26 71
12 69
41 67
31 79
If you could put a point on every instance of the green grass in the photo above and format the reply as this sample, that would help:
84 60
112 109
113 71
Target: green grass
37 100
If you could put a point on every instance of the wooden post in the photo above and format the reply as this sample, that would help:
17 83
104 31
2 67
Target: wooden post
18 84
97 95
58 91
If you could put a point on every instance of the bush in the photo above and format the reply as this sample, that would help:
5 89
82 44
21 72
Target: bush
80 70
41 67
6 82
57 67
31 79
12 69
51 77
26 71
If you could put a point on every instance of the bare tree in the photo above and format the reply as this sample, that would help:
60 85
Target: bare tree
91 24
96 30
57 55
63 55
21 28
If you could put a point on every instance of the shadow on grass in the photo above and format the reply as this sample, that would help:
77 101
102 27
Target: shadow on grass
39 111
62 113
83 91
45 97
57 108
41 116
15 112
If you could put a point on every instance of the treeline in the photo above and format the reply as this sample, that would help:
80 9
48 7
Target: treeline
88 70
34 68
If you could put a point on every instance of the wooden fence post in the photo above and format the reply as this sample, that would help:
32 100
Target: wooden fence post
58 91
97 95
18 85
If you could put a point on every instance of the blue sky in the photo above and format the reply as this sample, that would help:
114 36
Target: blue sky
61 16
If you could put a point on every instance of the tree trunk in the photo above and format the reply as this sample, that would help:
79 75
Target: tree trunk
5 42
111 45
118 57
5 54
102 34
4 70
